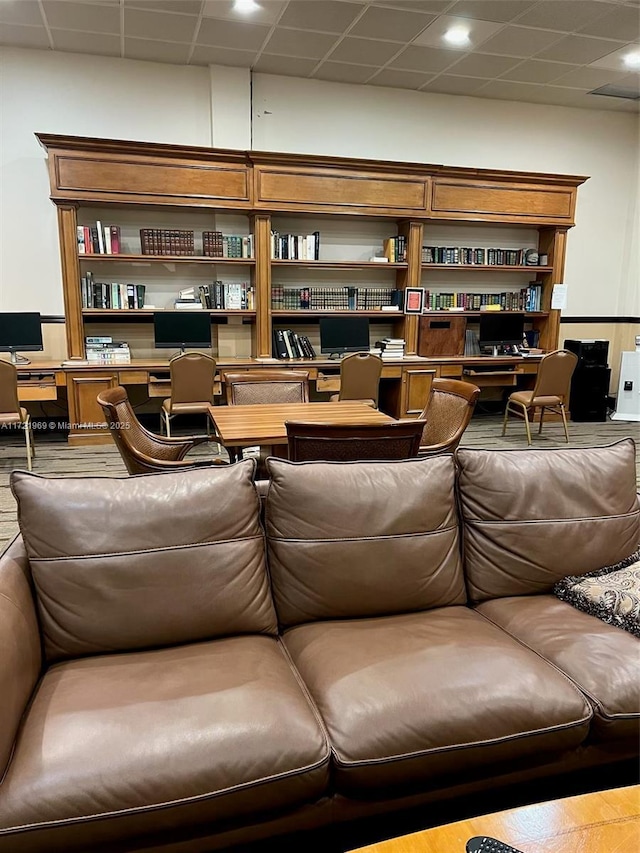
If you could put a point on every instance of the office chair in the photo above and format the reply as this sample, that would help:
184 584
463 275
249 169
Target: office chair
142 451
551 391
359 378
11 412
447 413
192 375
330 443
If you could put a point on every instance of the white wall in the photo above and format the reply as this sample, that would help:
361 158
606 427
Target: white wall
317 117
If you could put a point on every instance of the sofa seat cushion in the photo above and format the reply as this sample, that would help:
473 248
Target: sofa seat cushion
604 661
410 698
118 745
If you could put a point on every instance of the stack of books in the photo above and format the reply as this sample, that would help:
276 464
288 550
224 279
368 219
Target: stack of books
104 350
391 348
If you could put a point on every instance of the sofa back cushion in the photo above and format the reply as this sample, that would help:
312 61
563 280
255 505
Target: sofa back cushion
137 562
352 539
532 517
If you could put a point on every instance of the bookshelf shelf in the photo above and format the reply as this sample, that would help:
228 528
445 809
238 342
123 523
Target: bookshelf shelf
486 268
339 265
163 259
149 312
389 316
444 312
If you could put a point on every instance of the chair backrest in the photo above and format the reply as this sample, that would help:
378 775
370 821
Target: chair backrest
447 413
360 376
142 452
554 374
330 443
267 386
9 403
192 375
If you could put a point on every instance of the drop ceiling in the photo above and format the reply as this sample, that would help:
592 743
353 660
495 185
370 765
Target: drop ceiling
535 51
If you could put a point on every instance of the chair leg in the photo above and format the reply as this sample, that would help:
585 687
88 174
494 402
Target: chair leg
217 443
527 424
167 423
541 419
564 422
28 437
504 421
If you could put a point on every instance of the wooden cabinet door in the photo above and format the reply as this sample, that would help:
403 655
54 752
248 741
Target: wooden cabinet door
88 425
416 387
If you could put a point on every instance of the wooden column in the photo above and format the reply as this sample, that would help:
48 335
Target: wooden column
262 242
553 242
411 277
67 225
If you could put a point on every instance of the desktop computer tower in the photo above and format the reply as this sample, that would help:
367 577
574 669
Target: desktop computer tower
590 381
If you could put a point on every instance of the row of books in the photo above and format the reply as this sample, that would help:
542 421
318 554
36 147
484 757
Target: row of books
231 296
98 239
288 344
337 298
114 295
486 257
163 241
527 299
215 244
104 350
295 247
395 249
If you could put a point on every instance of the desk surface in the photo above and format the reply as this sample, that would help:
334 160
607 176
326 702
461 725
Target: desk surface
602 822
243 426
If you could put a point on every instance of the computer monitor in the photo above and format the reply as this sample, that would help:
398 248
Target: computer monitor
20 331
500 329
344 334
176 329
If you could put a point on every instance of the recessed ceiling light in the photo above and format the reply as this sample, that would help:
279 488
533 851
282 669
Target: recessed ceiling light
457 35
245 7
632 60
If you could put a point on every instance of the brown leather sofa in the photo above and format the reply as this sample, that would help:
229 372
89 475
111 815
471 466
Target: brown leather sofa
173 681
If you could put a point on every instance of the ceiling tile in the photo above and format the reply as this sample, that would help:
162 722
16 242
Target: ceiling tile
82 16
501 11
205 55
520 41
231 34
98 44
186 7
479 32
267 12
19 36
564 15
365 51
300 43
158 25
399 79
505 90
156 51
340 72
434 7
324 15
622 22
425 59
535 71
395 24
290 66
615 59
481 65
20 13
578 49
445 84
588 78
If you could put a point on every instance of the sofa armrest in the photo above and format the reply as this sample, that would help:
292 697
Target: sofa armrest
21 658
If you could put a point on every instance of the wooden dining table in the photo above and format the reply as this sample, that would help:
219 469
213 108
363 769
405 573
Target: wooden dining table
245 426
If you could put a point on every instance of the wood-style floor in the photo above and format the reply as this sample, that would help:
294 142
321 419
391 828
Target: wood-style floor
56 458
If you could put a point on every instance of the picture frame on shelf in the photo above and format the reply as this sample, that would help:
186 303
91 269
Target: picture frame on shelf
414 300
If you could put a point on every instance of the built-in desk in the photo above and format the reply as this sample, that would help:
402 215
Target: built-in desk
404 387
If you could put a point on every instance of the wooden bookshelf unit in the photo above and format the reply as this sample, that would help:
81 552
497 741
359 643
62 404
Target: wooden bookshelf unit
355 205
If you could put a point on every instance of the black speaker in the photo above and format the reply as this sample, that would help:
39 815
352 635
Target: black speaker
589 392
589 352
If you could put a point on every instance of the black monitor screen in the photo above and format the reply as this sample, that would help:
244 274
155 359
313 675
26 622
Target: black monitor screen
497 328
175 329
20 331
344 334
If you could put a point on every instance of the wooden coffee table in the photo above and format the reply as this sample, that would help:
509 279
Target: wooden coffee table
604 822
244 426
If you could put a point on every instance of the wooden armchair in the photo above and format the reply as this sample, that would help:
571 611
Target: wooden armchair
447 414
330 443
142 451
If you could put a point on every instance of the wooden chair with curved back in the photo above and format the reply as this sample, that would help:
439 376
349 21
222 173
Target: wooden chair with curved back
447 413
142 451
330 443
11 412
360 378
551 391
192 375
